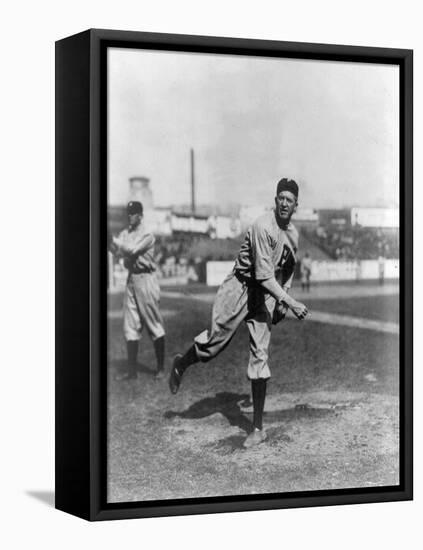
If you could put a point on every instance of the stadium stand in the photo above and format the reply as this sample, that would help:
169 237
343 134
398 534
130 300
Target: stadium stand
354 242
307 244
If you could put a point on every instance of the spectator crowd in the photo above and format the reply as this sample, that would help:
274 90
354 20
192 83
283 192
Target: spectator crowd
186 254
355 242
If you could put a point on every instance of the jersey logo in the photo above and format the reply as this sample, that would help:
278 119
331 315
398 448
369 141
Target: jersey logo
286 263
272 242
286 252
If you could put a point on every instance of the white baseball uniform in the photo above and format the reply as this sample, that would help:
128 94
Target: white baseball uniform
142 294
267 251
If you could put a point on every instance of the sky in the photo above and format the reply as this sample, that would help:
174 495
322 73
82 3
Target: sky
331 126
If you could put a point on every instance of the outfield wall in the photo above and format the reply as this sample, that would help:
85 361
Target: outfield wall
322 271
353 271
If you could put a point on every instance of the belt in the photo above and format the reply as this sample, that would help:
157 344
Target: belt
141 271
242 278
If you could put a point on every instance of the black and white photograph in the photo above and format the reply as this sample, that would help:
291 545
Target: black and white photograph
210 223
253 254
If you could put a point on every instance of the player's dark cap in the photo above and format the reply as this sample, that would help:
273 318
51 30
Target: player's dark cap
287 185
134 207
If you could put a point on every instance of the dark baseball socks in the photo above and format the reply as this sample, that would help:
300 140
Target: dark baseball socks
131 365
159 348
187 360
258 390
132 350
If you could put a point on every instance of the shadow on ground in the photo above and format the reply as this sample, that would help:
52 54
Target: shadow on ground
46 497
229 405
297 412
225 403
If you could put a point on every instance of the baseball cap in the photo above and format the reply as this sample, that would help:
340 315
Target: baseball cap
287 185
134 207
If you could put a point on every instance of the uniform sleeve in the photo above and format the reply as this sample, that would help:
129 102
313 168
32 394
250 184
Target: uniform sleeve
261 253
117 244
143 244
137 246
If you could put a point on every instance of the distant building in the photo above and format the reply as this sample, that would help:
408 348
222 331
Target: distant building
306 217
387 218
224 227
159 221
334 217
189 223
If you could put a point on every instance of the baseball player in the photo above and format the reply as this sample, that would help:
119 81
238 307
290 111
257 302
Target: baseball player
305 268
142 294
256 291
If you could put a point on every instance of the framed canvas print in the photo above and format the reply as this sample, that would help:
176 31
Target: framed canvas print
234 274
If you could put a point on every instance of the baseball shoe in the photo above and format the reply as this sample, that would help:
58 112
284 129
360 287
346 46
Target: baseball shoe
255 438
175 376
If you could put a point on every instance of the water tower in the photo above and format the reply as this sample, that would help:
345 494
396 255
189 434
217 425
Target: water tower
139 190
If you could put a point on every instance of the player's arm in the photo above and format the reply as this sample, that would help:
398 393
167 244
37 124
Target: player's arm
281 309
264 270
140 246
111 245
282 297
288 283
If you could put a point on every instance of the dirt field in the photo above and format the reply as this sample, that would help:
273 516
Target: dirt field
331 414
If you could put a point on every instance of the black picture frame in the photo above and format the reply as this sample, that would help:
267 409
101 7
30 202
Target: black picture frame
81 272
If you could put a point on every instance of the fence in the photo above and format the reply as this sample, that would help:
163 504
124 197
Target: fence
324 271
321 271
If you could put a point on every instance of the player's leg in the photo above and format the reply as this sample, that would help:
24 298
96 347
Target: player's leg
258 391
132 353
132 331
259 327
180 364
147 295
229 309
159 349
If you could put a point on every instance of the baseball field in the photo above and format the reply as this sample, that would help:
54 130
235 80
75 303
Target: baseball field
331 414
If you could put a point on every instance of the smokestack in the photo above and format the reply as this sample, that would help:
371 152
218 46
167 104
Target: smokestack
192 183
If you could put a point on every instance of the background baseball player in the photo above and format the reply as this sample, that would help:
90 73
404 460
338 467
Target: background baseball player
256 291
142 294
305 269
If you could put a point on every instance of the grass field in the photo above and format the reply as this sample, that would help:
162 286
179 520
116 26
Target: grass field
331 414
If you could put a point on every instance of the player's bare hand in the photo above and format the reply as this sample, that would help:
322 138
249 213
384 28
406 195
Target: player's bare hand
279 313
299 310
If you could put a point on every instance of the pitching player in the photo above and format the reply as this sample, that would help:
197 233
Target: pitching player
256 291
142 294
